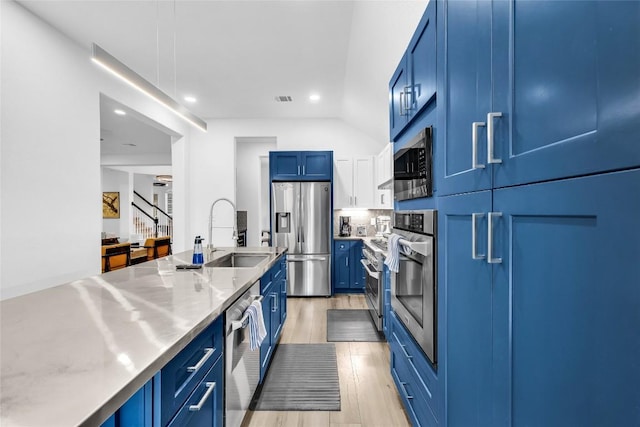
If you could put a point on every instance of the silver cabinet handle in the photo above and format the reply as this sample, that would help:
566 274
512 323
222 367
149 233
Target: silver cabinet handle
274 306
355 200
207 354
382 199
303 173
407 104
490 158
474 233
298 169
401 103
210 387
490 258
350 200
347 261
474 145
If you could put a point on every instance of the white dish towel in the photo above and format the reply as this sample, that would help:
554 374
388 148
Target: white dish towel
393 253
257 329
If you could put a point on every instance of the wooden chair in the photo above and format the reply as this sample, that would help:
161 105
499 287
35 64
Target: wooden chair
115 257
158 247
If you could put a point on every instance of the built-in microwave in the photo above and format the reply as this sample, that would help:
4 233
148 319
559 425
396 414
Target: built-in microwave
413 167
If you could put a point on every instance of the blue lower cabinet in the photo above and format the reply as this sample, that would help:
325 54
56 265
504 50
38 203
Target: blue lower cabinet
179 377
348 274
137 411
386 316
205 406
274 309
415 380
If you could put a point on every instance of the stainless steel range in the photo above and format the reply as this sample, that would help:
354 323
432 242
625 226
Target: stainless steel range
373 264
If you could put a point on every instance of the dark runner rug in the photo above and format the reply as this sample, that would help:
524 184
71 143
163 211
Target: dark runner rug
302 377
351 325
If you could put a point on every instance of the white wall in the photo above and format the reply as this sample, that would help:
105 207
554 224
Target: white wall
370 49
50 154
211 168
249 184
113 180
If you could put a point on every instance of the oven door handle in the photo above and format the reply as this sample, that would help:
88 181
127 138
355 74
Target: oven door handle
369 272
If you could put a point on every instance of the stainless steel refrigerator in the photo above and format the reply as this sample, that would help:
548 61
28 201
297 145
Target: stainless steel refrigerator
301 222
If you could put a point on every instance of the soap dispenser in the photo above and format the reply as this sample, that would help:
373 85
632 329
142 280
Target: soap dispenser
198 257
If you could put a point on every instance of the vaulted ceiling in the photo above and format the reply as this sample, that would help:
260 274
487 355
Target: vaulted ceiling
235 57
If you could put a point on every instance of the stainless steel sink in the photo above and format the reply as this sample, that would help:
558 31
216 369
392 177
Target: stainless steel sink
237 260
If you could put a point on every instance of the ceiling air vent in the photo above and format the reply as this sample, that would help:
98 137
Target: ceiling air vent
285 98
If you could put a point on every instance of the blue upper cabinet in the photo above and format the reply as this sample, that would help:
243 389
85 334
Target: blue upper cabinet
465 66
301 165
539 104
421 60
413 85
397 99
569 94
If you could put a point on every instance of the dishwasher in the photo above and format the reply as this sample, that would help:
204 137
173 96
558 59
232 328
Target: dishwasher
242 366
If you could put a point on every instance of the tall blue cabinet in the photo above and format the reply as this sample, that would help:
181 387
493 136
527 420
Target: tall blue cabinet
537 158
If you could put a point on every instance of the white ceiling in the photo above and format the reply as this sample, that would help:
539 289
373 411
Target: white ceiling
236 56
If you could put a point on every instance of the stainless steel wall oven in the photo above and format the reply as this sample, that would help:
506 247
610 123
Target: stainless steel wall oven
414 290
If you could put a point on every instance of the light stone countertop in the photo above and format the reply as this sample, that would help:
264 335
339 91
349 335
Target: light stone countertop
73 354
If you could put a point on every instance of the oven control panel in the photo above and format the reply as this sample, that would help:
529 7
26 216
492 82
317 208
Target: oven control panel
422 222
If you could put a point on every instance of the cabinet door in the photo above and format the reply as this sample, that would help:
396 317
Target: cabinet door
285 165
363 183
266 348
316 165
569 94
137 411
341 264
422 60
465 292
343 184
566 300
465 58
274 303
205 406
357 269
398 111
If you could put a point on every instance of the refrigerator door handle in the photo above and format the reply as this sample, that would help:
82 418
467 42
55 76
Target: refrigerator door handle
302 234
306 259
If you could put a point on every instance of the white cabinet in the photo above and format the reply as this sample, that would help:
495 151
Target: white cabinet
353 183
384 178
384 169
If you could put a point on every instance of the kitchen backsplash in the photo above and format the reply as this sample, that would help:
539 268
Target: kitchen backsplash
359 217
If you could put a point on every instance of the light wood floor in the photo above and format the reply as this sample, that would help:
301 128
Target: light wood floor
367 392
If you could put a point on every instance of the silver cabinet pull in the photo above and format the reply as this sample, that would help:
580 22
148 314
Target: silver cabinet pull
350 200
274 306
382 199
210 387
474 145
474 234
355 200
490 258
408 104
207 354
303 173
298 169
403 96
347 261
490 158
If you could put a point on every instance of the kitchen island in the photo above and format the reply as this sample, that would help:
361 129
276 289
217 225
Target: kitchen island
73 354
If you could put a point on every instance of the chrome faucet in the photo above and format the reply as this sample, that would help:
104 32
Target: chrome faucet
235 223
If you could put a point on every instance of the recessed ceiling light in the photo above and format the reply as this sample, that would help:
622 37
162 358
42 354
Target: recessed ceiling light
190 99
314 97
120 112
130 145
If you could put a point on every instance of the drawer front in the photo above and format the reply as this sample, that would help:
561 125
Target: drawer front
182 374
205 406
423 379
